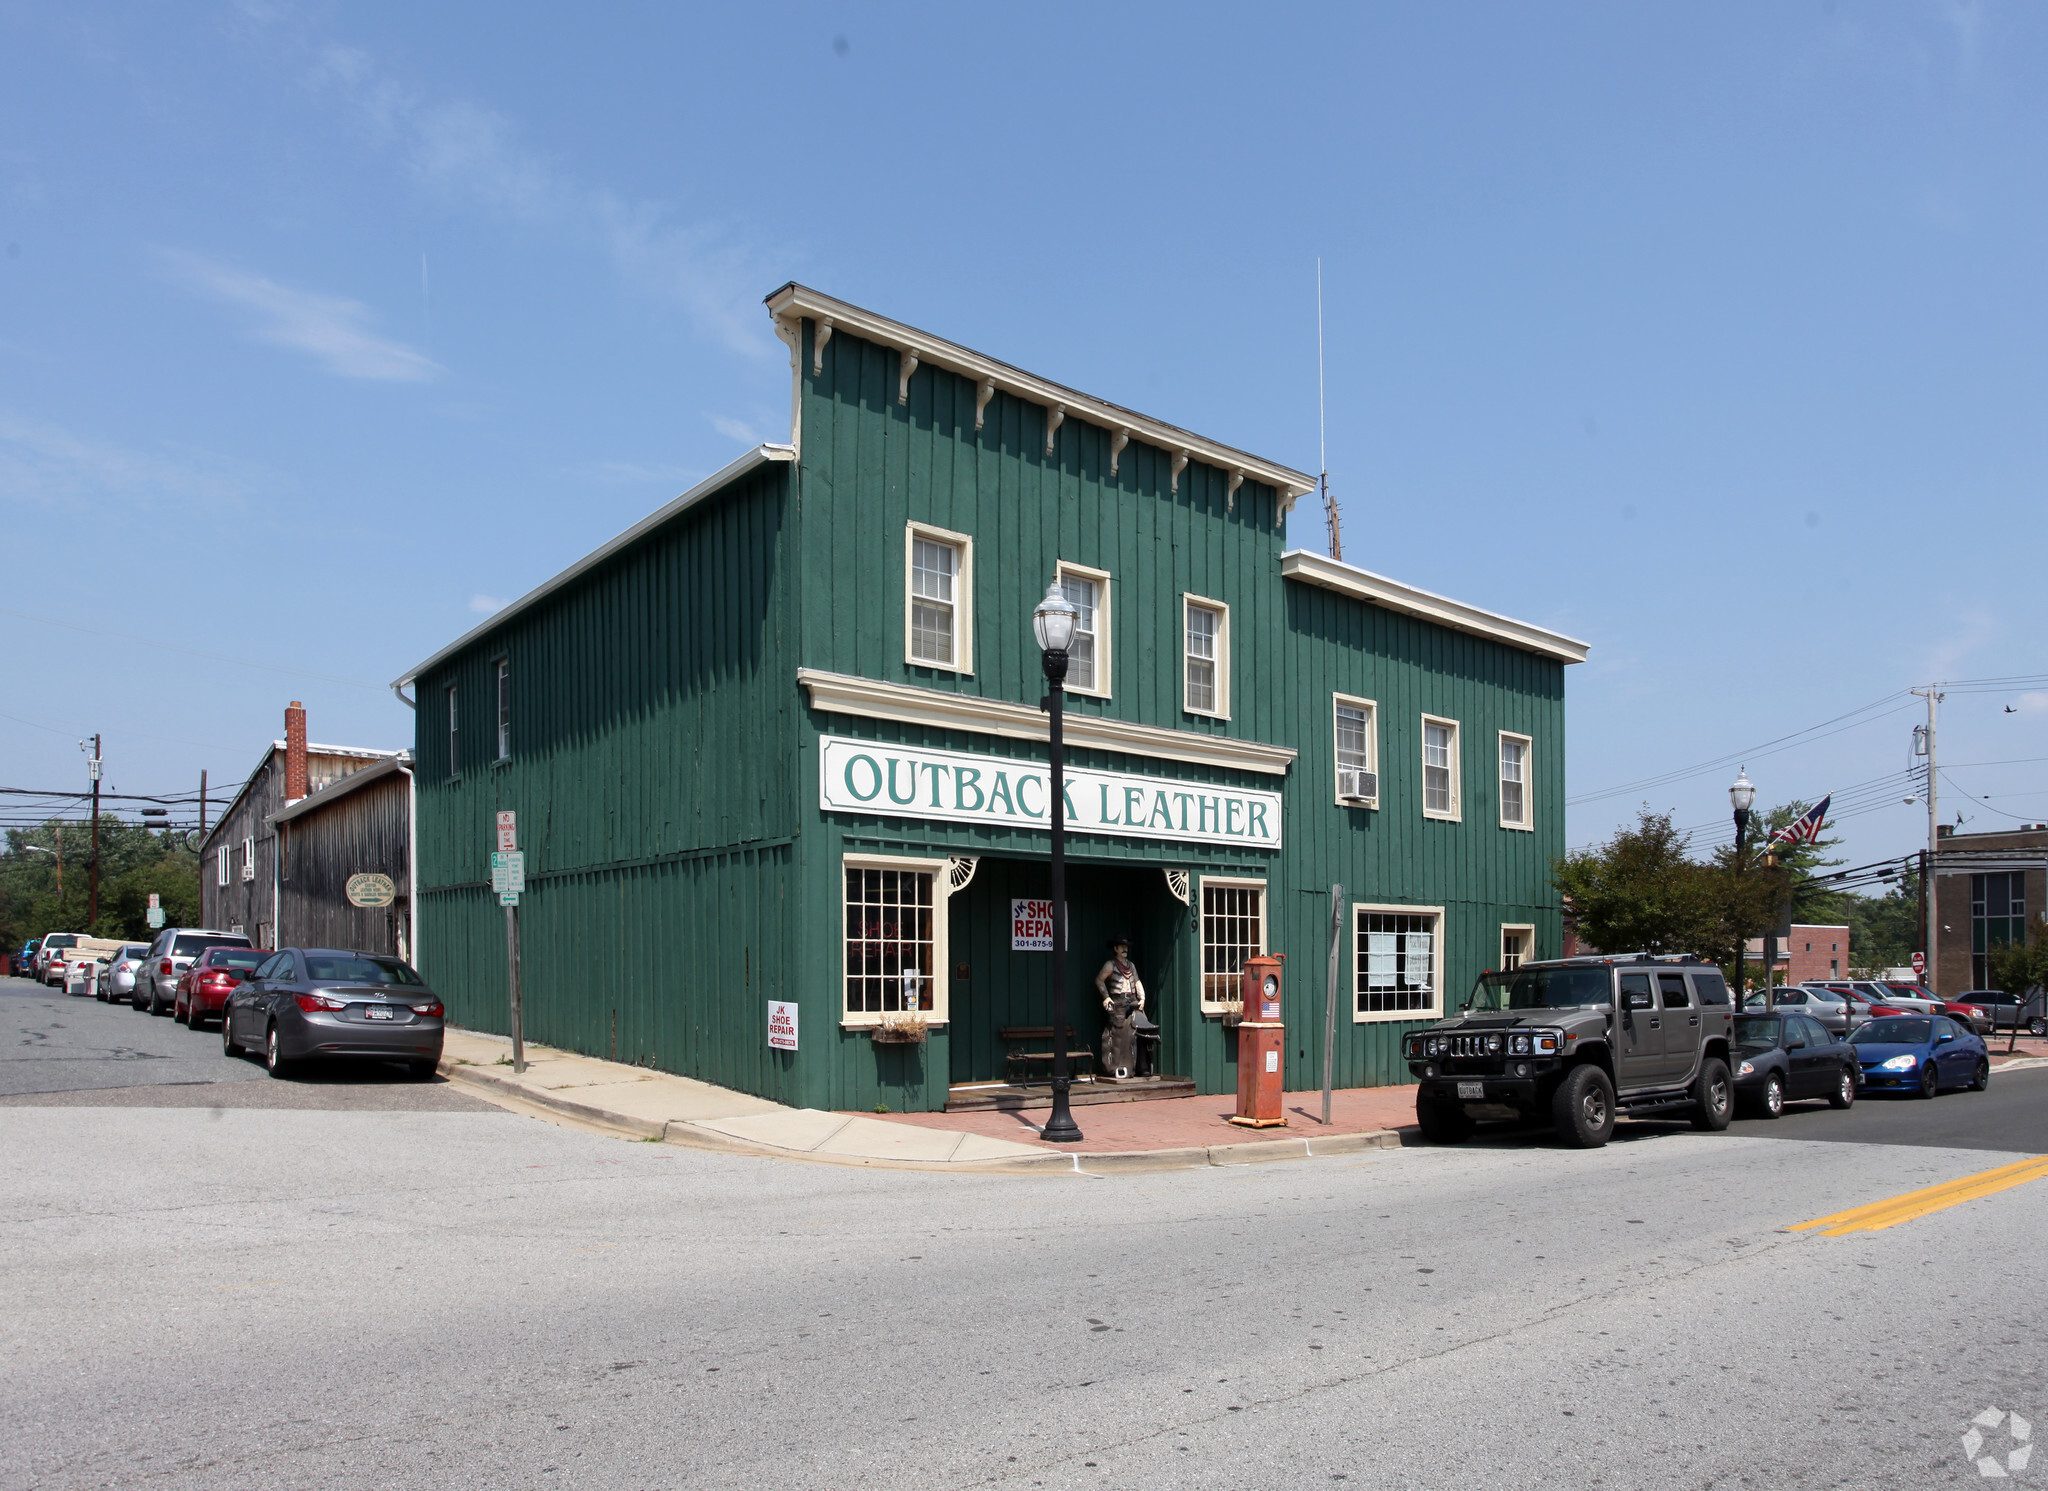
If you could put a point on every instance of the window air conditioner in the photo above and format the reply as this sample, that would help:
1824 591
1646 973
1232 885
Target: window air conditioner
1358 786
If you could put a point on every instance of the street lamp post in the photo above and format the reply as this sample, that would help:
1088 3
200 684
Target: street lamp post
1053 623
1742 797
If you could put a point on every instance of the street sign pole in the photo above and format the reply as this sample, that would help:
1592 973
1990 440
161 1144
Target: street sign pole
508 878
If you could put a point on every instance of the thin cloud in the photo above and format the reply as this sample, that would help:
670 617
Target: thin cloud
330 328
734 429
49 466
711 272
486 605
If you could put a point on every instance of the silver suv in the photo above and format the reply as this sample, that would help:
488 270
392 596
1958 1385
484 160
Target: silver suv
169 956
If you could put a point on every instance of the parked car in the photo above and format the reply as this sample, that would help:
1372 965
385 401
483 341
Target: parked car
1785 1057
80 975
117 974
1917 998
1868 1000
204 987
1838 1012
308 1003
1966 1010
1921 1054
24 962
169 956
47 950
2002 1011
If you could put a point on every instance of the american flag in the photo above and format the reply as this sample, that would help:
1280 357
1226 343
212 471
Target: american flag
1807 829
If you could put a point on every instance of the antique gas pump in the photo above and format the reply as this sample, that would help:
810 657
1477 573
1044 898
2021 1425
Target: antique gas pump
1261 1045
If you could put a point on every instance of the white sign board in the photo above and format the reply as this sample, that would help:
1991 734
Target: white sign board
155 901
156 916
781 1025
508 830
508 875
1030 926
893 781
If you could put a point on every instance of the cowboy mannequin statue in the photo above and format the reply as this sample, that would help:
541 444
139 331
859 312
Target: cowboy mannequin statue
1123 1000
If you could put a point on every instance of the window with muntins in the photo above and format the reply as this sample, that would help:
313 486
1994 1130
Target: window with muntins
1357 760
1440 768
1083 653
1515 943
1514 780
1395 962
1233 929
504 709
889 941
1204 660
1998 918
934 571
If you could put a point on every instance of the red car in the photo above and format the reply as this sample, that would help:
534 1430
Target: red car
1862 1005
203 988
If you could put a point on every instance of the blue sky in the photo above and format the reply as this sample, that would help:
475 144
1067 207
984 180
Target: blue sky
1712 335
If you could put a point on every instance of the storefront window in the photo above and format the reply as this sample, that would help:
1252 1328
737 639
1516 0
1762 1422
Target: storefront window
889 951
1395 961
1233 929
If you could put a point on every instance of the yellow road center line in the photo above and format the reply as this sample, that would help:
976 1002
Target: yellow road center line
1879 1215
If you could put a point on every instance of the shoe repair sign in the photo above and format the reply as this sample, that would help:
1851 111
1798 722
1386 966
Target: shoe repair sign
1030 926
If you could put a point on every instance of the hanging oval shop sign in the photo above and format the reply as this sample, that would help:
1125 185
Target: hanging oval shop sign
371 890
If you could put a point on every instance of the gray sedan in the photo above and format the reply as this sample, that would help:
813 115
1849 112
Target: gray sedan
315 1003
117 975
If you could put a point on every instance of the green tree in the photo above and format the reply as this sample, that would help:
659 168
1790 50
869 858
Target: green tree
134 861
2019 966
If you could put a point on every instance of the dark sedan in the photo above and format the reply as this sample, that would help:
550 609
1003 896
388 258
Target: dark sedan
1921 1054
1782 1058
315 1003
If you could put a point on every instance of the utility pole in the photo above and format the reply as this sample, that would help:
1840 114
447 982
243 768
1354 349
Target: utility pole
92 900
1930 924
202 804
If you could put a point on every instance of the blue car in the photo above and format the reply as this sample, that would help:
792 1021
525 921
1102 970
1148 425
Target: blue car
1920 1054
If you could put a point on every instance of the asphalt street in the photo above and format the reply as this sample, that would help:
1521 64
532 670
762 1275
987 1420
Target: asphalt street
227 1297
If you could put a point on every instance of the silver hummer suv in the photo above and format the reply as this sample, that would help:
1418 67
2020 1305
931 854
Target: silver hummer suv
1573 1042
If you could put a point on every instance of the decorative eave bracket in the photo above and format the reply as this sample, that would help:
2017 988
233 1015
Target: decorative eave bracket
1117 442
982 395
905 368
1054 418
1180 464
1230 492
818 346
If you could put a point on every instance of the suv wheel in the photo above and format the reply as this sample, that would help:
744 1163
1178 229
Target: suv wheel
2037 1026
1713 1096
1582 1109
1440 1122
1845 1090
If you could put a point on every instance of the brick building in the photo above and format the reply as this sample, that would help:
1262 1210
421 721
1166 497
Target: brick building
1988 889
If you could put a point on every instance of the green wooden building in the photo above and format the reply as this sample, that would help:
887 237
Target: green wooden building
782 741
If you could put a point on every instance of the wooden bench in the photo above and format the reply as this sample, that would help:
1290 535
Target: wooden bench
1018 1041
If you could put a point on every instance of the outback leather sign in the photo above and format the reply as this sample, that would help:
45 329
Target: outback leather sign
893 781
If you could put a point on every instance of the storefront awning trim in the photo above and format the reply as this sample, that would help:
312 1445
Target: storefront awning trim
869 698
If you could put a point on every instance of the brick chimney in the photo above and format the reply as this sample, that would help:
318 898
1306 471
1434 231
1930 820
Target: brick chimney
295 752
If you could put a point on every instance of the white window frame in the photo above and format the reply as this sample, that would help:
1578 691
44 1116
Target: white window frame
1457 768
223 857
1528 823
963 597
1372 747
942 893
1102 625
248 859
503 676
1436 964
1222 709
454 733
1233 882
1528 934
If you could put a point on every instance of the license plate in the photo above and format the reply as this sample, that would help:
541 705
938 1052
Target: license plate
1472 1091
377 1012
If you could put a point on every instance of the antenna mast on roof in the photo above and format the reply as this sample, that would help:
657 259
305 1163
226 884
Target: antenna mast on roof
1323 432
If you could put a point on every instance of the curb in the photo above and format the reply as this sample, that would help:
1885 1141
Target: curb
688 1135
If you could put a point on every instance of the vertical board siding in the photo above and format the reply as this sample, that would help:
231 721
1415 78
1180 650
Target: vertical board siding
362 833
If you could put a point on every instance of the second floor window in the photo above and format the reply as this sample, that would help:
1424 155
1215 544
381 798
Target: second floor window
1088 655
1514 780
1207 657
454 756
1357 775
1439 768
504 709
939 599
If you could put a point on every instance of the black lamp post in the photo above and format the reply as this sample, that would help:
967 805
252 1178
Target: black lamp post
1053 622
1741 796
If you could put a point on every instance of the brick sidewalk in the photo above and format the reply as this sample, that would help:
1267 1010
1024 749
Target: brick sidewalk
1185 1123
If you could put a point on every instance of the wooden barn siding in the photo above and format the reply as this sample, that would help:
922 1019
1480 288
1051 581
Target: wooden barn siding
653 709
362 833
871 465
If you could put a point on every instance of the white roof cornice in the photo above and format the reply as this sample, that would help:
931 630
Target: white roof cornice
921 347
1348 579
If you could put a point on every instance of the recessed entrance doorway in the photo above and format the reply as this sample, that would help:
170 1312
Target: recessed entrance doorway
1002 994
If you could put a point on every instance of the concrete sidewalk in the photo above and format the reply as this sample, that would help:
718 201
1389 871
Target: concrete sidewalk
681 1110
